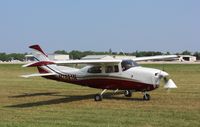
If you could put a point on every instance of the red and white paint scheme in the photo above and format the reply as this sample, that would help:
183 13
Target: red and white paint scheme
124 75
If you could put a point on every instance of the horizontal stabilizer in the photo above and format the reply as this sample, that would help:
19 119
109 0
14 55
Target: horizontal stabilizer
38 75
40 63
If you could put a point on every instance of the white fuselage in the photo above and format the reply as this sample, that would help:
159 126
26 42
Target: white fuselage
135 78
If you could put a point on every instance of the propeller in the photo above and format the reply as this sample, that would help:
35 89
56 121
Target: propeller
169 83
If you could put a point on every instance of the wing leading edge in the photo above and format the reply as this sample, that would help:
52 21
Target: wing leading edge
87 61
160 57
93 62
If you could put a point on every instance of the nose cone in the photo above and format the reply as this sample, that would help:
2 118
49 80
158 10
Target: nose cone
163 74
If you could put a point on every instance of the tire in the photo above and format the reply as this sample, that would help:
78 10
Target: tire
146 97
98 97
128 93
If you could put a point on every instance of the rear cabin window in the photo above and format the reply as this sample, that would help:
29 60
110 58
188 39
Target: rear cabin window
95 69
111 69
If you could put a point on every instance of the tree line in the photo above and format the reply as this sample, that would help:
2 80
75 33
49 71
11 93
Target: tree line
75 54
12 56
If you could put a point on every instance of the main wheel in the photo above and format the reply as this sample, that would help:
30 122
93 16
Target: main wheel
128 93
146 97
98 97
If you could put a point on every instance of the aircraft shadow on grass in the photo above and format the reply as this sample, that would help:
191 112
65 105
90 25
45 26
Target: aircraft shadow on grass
33 94
65 99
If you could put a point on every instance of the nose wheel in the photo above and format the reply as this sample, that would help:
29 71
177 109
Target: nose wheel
146 96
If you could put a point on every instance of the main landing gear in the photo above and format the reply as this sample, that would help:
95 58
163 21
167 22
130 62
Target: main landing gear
99 97
146 96
128 93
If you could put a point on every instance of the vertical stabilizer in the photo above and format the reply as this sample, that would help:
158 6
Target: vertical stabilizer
42 60
38 53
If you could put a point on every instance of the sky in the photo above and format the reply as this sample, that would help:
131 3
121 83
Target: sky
98 25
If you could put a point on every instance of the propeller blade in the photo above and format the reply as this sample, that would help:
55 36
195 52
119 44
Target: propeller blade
170 84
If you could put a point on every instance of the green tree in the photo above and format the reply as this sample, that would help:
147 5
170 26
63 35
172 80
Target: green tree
186 53
3 57
197 54
61 52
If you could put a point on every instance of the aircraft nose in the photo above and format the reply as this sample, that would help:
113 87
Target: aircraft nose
152 76
164 74
155 75
149 75
161 74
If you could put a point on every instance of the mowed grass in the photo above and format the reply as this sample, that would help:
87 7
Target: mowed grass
37 102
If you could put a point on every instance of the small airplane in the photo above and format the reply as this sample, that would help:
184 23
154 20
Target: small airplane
125 75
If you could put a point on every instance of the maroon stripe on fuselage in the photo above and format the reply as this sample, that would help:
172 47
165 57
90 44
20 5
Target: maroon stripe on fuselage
107 83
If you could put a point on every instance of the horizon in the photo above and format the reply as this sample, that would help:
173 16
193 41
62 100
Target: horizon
53 52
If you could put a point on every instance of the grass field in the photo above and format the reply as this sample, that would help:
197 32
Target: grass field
37 102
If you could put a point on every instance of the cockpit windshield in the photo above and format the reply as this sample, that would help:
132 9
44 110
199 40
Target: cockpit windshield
126 64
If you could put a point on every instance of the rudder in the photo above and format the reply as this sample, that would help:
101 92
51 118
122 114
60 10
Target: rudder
38 53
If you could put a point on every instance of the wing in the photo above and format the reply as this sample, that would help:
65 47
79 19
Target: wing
87 61
38 75
94 62
161 57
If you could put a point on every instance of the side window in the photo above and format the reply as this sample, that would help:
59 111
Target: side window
116 68
95 69
111 69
